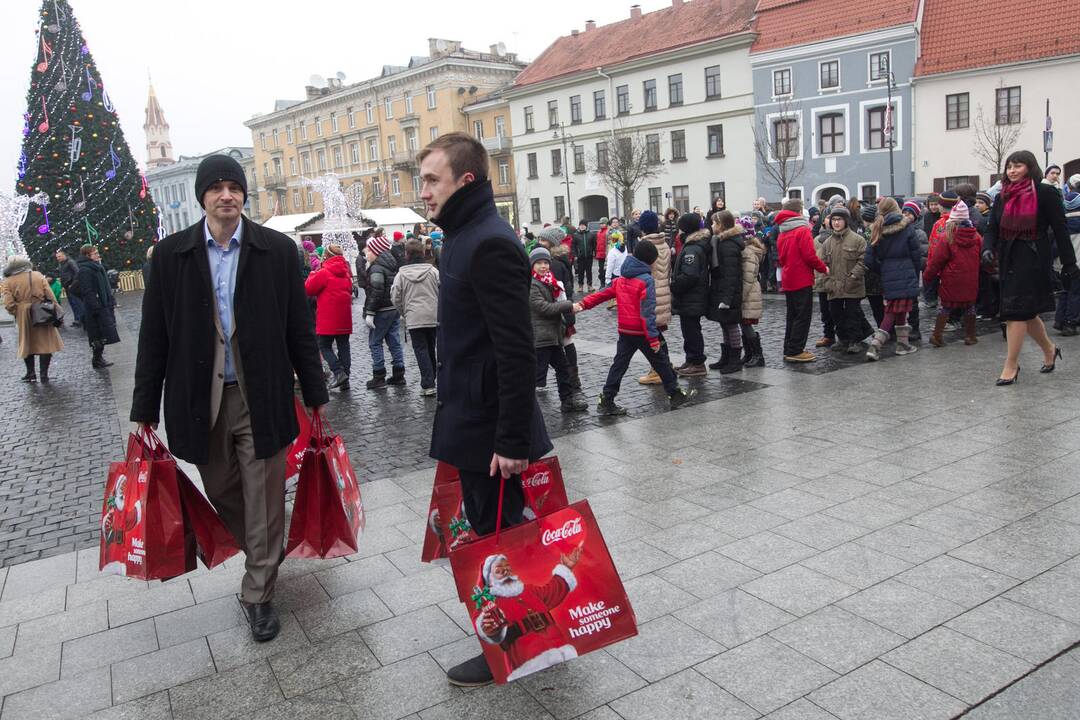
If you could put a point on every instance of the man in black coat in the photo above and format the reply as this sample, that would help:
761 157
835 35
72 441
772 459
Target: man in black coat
225 324
68 274
98 304
487 421
583 248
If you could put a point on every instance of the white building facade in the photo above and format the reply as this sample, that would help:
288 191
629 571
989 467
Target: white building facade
947 107
692 105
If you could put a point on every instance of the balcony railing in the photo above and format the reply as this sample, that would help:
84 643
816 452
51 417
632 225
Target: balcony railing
274 181
403 158
499 144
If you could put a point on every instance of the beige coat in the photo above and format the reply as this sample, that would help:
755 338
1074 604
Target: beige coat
661 273
20 290
845 255
820 280
752 305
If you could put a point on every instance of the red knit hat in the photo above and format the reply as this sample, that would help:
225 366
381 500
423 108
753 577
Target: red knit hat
378 244
398 237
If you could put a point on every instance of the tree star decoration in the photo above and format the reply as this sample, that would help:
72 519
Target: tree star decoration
336 214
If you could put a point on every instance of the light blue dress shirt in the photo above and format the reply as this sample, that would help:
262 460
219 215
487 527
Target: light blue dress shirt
223 264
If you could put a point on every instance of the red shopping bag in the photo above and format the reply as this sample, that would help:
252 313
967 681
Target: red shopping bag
434 540
328 515
543 592
142 523
300 444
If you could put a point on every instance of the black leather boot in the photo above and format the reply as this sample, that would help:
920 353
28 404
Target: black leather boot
397 377
44 361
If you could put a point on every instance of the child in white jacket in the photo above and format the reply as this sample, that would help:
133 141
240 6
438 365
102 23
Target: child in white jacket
615 255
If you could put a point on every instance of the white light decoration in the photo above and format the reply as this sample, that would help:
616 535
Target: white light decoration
336 214
13 211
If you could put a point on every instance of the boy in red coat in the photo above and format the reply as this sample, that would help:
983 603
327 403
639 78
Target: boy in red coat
798 260
955 261
635 294
331 285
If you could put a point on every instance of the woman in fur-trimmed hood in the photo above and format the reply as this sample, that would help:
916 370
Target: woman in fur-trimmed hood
22 287
895 254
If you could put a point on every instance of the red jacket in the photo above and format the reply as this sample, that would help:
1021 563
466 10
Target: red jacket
332 285
635 297
957 263
795 248
601 243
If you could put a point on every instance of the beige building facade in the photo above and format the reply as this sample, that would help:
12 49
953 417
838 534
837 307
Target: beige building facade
488 120
368 133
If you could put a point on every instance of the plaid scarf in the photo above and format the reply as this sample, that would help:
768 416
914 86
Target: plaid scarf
549 280
1019 219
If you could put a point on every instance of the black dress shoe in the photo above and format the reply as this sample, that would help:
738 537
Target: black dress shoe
474 672
1050 368
263 619
1002 382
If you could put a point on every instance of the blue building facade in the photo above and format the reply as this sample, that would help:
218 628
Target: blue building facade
826 106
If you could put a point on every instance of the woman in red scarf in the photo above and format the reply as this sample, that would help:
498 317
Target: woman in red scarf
1024 215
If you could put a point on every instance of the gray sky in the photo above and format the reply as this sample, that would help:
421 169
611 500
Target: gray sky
215 63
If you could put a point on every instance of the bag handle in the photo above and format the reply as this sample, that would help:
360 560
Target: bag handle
498 515
320 426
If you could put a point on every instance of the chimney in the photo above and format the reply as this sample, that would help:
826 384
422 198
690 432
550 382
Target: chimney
311 92
676 3
590 25
635 12
574 32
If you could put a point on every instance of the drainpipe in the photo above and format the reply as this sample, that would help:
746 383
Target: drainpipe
611 119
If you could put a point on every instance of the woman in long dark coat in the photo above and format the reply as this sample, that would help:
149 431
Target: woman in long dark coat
1026 229
98 318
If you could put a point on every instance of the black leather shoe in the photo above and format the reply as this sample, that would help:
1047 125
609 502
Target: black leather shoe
1044 369
474 672
1002 382
263 619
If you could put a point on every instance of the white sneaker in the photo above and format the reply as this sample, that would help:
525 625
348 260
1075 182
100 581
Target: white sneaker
427 392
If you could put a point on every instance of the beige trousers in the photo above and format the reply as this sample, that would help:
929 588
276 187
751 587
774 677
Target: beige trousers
248 493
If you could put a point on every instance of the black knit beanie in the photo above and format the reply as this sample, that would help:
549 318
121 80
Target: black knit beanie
689 223
215 168
646 252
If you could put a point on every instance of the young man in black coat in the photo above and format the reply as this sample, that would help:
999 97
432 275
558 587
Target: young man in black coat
68 274
487 421
225 323
583 248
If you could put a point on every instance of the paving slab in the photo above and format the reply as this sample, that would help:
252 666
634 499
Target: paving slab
70 697
301 670
734 617
76 623
903 609
838 639
104 648
664 647
1052 691
322 704
494 702
1017 629
798 590
878 691
206 618
25 671
686 695
390 692
152 707
161 670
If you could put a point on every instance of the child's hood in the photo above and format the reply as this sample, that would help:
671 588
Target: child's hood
632 267
966 237
417 272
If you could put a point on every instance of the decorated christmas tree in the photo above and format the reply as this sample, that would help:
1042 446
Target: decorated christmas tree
74 152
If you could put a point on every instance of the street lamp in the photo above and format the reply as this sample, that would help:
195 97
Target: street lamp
561 134
889 122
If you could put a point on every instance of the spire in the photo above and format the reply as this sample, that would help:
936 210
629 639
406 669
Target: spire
158 145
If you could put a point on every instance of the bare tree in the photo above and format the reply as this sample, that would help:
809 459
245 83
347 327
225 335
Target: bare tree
624 162
993 141
778 146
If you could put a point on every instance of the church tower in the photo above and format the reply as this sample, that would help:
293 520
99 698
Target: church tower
158 145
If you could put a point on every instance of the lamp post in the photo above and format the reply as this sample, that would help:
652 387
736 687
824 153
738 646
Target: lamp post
560 134
889 128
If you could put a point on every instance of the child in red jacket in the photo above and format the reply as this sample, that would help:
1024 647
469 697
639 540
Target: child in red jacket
955 260
798 260
636 295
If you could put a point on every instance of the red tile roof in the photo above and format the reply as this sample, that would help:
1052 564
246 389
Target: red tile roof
654 32
956 36
783 23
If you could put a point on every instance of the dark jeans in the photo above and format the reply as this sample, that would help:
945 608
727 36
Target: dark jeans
913 319
77 307
800 305
600 272
877 307
423 345
343 359
624 351
386 329
1068 306
480 493
828 323
693 340
584 271
554 357
851 324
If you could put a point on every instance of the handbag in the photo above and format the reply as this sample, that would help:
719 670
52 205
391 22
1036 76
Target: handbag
45 312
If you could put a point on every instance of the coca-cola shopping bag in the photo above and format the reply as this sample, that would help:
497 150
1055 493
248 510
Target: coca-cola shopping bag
328 515
213 542
142 524
300 444
434 542
543 592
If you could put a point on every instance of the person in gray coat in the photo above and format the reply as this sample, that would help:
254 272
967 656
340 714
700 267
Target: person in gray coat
547 303
415 294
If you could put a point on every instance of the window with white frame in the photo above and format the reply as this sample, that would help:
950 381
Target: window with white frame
296 199
310 198
376 187
388 107
868 192
303 130
652 148
411 142
829 75
431 96
795 193
478 129
830 132
601 156
553 113
560 207
354 153
878 127
674 89
500 126
575 109
274 135
579 158
712 82
527 112
337 157
351 117
292 166
318 126
305 162
599 105
369 113
781 82
716 140
504 171
556 162
320 159
288 134
656 200
433 133
395 184
680 198
879 65
408 103
649 87
372 149
333 122
262 140
622 99
678 145
530 159
391 145
417 183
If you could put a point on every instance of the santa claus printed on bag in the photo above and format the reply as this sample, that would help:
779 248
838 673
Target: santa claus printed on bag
118 522
516 616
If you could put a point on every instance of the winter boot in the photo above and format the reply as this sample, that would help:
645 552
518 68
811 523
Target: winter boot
574 403
575 378
903 340
680 397
45 361
30 375
757 357
725 350
969 330
378 380
607 406
98 361
691 370
734 363
340 378
650 378
397 377
936 338
873 352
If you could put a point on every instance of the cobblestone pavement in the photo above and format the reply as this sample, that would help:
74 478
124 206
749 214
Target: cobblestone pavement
892 541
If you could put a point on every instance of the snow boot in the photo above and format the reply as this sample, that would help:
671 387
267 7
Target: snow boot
969 330
607 406
574 403
873 352
30 376
45 361
725 351
757 357
397 377
378 380
903 340
734 363
936 338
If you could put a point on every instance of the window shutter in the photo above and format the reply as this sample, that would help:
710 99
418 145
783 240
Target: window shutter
939 185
